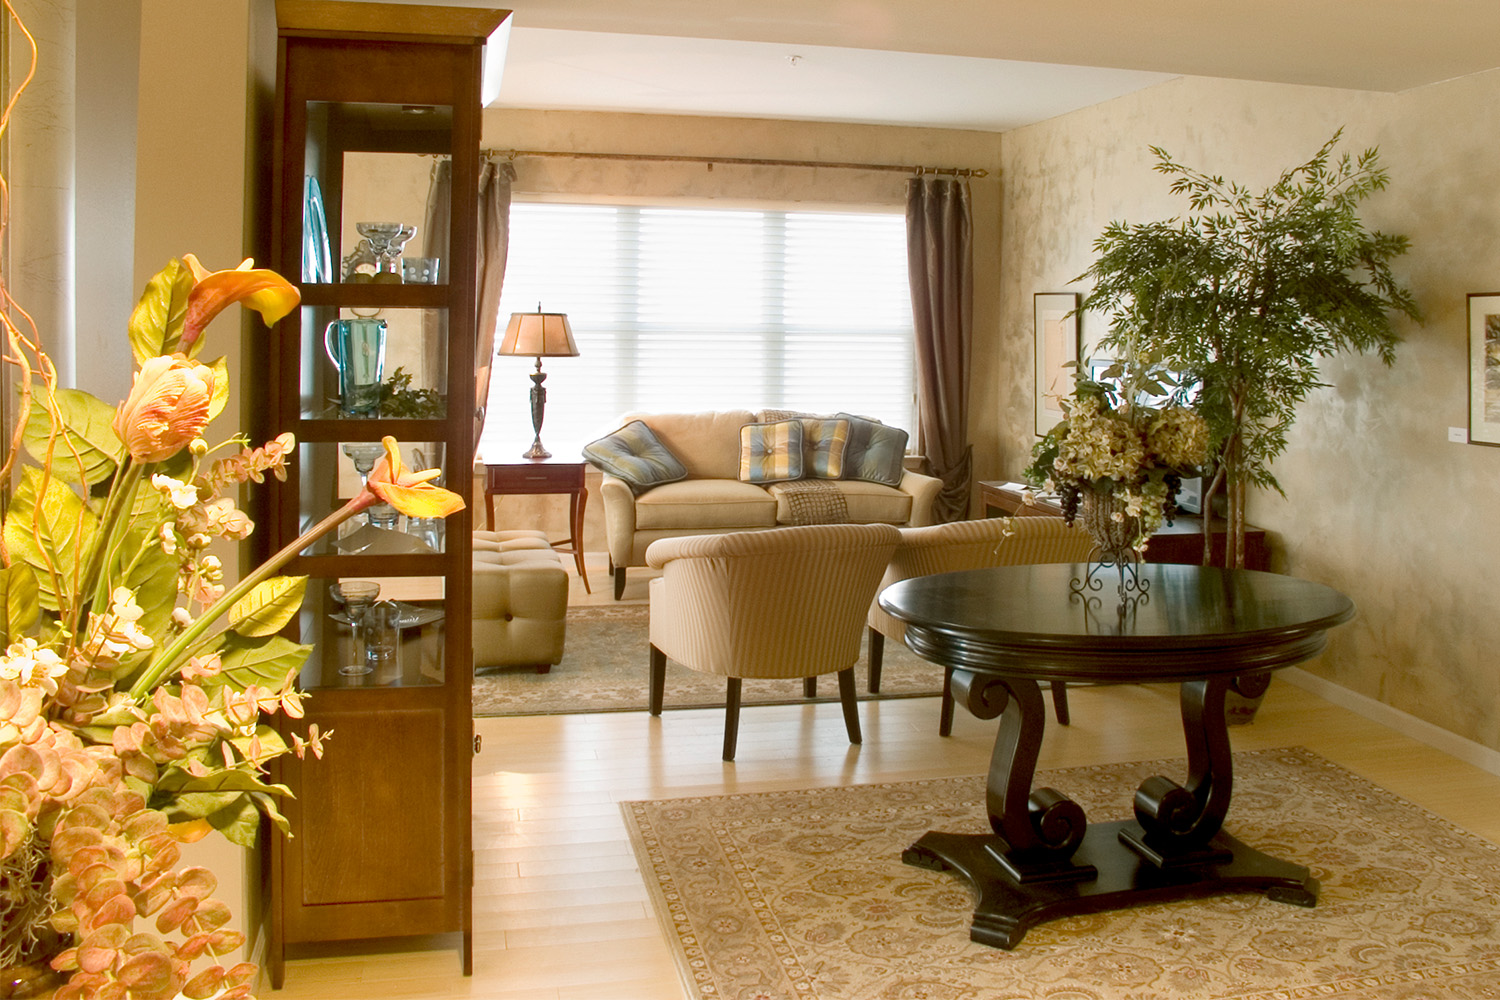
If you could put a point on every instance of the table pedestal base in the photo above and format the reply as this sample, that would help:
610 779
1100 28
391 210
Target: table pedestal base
1008 907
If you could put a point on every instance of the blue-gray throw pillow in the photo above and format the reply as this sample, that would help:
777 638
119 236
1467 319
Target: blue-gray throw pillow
875 452
637 456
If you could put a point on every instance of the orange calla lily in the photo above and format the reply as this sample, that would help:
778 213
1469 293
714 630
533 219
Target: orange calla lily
267 292
409 492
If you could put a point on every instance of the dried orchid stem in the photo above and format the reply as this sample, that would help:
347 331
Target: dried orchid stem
13 335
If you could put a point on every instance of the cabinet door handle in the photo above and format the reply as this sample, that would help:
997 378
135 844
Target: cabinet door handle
478 743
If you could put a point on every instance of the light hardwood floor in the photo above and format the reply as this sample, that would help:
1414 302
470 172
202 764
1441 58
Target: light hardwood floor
560 910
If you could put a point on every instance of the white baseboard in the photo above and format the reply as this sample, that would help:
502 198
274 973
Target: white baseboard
1420 730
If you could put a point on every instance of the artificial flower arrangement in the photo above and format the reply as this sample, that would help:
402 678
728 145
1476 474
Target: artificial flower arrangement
134 684
1116 460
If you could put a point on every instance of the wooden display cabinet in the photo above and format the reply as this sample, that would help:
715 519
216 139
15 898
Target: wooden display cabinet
381 824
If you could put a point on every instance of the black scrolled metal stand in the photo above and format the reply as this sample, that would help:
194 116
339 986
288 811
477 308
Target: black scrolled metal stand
1132 588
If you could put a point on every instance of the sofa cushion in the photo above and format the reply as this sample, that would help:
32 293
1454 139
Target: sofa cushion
868 503
708 444
710 504
771 453
636 455
875 451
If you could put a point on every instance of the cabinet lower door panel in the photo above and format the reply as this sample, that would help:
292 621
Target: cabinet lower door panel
370 835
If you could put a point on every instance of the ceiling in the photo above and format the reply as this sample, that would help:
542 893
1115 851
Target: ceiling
990 65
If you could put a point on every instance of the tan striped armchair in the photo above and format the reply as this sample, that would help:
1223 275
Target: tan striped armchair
947 548
776 603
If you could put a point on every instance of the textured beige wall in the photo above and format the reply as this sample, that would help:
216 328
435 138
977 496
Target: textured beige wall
1378 503
195 187
743 185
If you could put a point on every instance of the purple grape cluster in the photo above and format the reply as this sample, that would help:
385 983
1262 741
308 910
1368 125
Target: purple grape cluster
1069 495
1173 482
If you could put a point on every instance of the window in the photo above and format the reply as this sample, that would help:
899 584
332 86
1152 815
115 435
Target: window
680 310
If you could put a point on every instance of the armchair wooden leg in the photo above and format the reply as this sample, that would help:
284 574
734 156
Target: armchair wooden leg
619 573
945 716
851 707
1060 701
658 680
877 657
809 687
731 717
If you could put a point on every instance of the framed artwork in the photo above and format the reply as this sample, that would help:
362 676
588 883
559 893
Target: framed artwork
1057 348
1484 368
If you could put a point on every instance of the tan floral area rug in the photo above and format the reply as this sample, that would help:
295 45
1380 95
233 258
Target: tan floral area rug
802 896
606 662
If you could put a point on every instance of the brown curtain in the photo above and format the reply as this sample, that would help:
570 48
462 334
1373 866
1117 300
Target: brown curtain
493 248
940 261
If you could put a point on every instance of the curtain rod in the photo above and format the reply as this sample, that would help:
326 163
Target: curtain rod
739 161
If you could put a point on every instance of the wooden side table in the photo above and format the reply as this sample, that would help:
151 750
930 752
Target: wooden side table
1180 542
543 476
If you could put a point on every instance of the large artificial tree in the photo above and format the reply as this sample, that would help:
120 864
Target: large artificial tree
1245 295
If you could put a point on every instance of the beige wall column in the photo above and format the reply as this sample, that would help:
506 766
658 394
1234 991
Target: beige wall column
201 95
41 175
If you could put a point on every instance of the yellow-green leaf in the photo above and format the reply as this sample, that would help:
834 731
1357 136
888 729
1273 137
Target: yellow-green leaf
263 661
51 531
239 821
20 605
268 607
150 572
156 323
85 448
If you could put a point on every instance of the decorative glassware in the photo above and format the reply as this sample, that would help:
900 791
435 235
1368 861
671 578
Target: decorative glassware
386 241
420 270
357 597
317 259
382 628
357 349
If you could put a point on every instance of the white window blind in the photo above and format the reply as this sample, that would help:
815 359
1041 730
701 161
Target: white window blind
678 310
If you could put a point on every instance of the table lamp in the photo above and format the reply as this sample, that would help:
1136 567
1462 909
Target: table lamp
538 335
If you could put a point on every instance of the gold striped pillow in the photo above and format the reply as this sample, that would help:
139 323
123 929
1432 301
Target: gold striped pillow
824 442
771 453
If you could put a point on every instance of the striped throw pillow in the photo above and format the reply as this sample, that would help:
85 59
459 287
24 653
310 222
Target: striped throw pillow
771 453
824 444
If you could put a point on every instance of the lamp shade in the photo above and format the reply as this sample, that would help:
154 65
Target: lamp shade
538 335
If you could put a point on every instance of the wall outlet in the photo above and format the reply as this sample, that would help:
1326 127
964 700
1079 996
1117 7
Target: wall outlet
1458 435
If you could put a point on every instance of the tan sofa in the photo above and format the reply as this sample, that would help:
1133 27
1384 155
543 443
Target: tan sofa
712 499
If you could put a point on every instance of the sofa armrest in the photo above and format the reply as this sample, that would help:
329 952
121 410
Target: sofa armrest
619 517
924 492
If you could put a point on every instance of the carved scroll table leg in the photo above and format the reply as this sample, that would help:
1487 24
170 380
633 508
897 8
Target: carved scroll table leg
1045 861
1180 826
1036 833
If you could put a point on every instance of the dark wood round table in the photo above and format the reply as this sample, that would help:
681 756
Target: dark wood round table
1007 630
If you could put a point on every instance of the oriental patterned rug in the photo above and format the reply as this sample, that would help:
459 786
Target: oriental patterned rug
605 666
802 896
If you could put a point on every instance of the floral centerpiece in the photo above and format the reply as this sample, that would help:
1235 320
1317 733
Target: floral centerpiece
134 682
1116 461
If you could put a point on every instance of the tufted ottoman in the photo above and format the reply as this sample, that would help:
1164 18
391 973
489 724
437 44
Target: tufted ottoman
520 600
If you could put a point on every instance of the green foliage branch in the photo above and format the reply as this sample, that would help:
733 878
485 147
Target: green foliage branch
1246 295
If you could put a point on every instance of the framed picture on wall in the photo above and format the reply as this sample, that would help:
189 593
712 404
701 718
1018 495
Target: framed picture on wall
1484 368
1057 347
